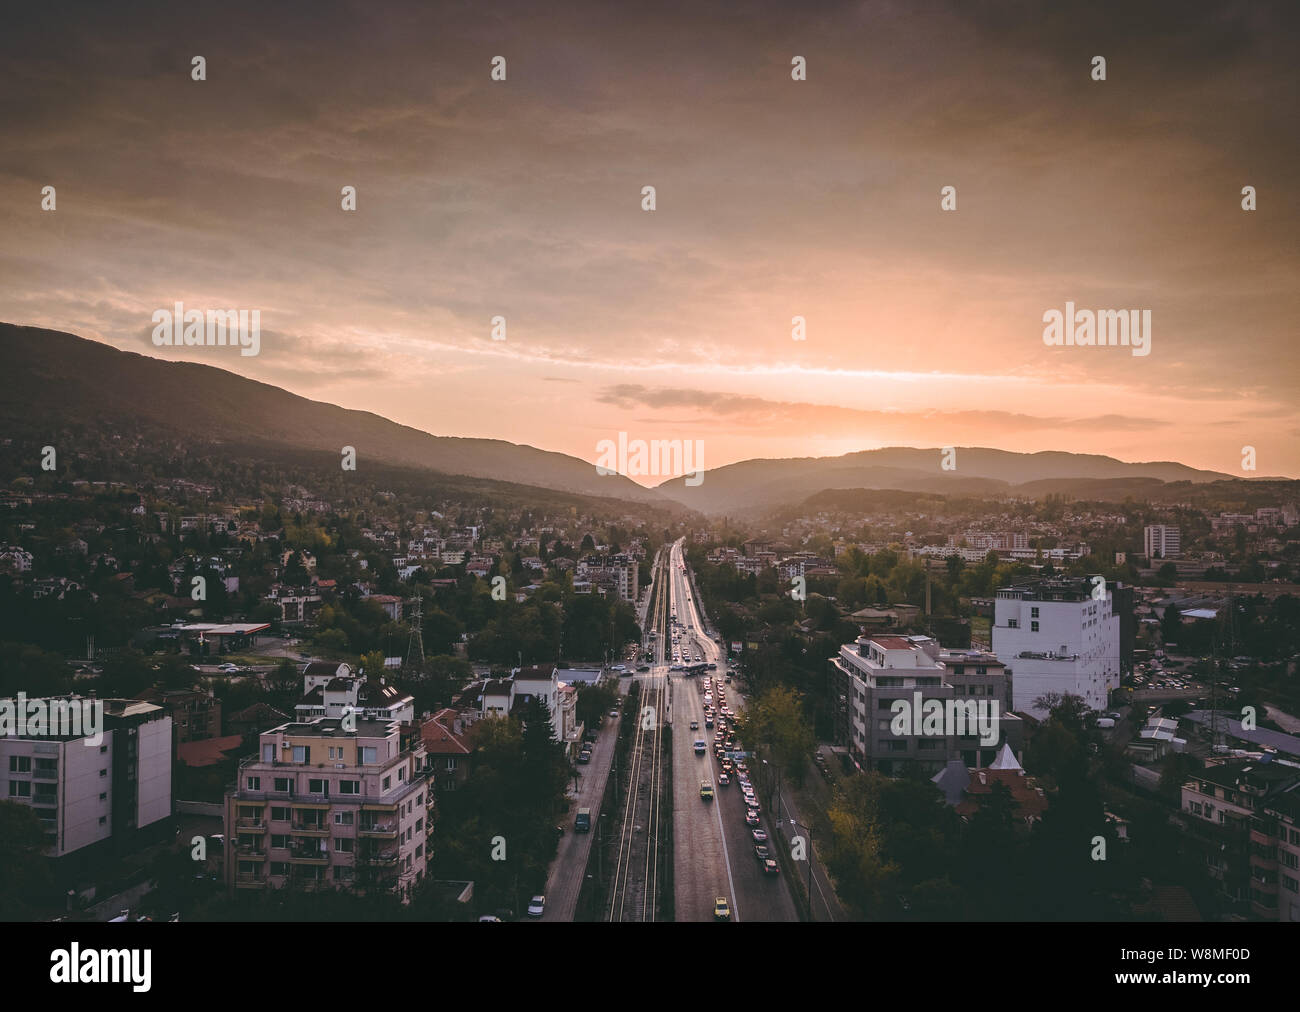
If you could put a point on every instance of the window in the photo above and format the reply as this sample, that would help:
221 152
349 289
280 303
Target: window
388 782
449 785
349 786
1291 884
103 795
1033 627
981 669
268 753
284 785
1288 859
1033 613
279 867
103 819
254 783
1013 623
419 850
451 765
103 749
342 818
103 773
419 825
279 814
343 844
20 764
20 789
317 786
369 755
302 753
959 669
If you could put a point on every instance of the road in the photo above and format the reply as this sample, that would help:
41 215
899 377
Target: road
713 847
564 881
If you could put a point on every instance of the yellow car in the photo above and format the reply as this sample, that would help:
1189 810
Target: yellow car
706 790
721 912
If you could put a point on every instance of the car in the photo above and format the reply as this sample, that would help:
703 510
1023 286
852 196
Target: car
706 791
721 910
584 758
770 867
708 720
489 919
700 746
751 818
643 668
760 836
614 714
761 852
723 779
537 906
695 725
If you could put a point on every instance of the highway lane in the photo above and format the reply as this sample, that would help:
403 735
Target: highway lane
718 827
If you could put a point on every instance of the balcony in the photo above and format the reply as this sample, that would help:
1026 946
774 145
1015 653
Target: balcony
40 774
311 828
306 855
45 800
383 830
243 880
252 825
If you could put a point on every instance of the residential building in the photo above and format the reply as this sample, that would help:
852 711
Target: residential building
322 806
870 674
1161 541
94 798
1057 638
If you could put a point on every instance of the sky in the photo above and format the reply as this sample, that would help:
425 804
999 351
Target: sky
774 198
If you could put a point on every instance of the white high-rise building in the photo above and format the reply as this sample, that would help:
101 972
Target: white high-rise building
1055 637
1162 542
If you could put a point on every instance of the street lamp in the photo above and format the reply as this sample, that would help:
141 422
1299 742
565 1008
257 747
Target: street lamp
808 857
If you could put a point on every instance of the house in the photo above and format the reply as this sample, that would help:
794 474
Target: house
446 742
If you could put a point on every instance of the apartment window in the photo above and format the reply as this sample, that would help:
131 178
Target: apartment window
103 773
981 669
388 782
20 789
343 844
268 753
419 850
280 814
254 783
1194 807
1290 884
103 750
929 744
1013 623
959 669
318 787
284 785
369 755
103 795
279 867
342 818
20 764
893 746
419 798
1033 613
342 873
1293 837
302 753
449 785
419 825
451 765
1033 627
884 704
1288 859
103 819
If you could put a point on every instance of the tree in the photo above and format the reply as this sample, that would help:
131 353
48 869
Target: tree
24 873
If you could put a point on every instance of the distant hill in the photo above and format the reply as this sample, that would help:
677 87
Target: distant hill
758 486
50 375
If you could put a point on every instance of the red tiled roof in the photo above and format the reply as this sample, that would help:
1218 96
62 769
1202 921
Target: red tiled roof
209 751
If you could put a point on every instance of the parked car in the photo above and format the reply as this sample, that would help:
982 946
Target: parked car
537 906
